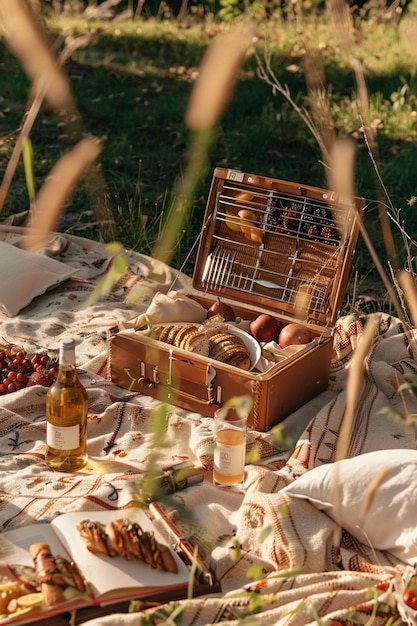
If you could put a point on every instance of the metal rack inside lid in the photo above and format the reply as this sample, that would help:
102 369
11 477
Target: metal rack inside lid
295 255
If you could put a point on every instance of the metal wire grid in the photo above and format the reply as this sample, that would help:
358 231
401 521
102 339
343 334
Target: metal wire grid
297 261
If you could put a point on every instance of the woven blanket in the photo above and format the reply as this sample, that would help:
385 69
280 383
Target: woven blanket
276 556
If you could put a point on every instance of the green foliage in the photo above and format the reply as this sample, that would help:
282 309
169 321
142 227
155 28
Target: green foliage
132 84
169 615
117 268
254 454
410 385
230 9
405 391
281 438
29 168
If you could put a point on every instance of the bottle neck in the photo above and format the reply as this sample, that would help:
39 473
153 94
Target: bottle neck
67 369
66 356
67 374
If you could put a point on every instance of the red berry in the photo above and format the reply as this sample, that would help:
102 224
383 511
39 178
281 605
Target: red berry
290 219
40 377
410 598
313 231
26 366
327 232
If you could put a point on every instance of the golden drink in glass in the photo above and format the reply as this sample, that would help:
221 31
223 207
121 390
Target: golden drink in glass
229 449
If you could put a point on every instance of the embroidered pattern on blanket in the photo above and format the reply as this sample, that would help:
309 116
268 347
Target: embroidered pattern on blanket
304 572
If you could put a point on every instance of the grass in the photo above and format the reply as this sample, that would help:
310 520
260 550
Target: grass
133 81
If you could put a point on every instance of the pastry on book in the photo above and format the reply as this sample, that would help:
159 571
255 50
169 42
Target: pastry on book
54 574
122 537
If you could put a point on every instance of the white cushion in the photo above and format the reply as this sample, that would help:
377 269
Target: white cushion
341 489
26 275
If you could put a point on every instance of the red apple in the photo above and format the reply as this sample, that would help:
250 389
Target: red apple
265 327
294 334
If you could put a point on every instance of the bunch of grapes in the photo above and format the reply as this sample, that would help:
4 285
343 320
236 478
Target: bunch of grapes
18 370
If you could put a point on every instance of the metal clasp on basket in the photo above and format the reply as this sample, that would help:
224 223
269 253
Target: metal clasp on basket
155 378
210 376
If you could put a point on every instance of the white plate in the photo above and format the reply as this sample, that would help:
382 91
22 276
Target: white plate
252 345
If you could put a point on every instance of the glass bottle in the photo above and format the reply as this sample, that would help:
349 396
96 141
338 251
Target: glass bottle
66 415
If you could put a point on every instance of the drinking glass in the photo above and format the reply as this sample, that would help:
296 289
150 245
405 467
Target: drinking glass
229 448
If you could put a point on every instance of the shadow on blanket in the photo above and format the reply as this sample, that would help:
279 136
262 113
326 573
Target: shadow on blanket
306 566
265 542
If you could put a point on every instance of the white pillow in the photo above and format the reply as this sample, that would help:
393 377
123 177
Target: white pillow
340 489
26 275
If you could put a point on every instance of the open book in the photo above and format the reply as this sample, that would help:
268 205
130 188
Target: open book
108 579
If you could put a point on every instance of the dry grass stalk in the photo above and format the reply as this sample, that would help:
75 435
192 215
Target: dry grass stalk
320 106
25 39
338 179
353 388
212 91
370 493
266 73
342 20
407 283
217 78
408 31
50 201
341 17
340 176
38 96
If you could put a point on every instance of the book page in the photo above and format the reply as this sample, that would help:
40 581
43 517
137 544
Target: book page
116 577
15 544
15 557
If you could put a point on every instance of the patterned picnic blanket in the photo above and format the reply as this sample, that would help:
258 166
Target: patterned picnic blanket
291 562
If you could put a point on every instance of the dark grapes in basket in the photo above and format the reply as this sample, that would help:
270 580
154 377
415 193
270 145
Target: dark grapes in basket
18 369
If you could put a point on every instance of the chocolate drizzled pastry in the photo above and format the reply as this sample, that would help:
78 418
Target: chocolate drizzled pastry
127 539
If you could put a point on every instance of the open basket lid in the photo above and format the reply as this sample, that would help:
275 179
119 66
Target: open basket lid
276 245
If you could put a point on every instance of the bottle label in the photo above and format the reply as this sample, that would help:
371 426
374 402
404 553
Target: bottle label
229 460
64 437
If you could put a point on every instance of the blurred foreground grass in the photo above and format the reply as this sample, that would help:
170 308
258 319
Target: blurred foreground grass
132 83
